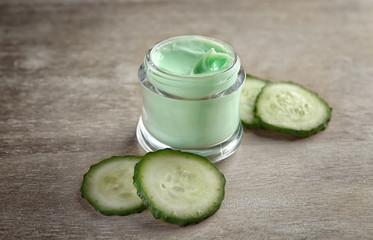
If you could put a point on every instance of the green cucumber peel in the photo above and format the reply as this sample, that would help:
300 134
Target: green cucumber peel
185 188
108 186
290 108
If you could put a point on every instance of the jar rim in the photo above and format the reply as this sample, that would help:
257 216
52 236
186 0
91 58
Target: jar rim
192 86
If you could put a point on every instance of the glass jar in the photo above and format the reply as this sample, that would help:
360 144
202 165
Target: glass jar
197 113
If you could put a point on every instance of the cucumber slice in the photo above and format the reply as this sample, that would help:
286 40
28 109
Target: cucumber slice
250 90
109 188
292 109
179 187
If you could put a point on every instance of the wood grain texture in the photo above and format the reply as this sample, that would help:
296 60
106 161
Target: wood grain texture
69 97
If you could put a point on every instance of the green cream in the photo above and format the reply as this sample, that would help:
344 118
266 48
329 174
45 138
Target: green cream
190 123
192 57
191 92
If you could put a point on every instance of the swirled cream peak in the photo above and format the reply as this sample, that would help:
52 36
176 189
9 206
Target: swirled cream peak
192 57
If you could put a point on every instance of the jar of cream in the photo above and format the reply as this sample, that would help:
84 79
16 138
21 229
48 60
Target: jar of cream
191 88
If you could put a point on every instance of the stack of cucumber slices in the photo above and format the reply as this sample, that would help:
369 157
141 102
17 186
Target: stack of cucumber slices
285 107
177 187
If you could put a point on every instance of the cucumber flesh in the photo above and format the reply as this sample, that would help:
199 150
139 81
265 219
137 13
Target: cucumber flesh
109 188
250 90
292 109
179 187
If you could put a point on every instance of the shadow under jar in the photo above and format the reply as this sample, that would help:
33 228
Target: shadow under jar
191 87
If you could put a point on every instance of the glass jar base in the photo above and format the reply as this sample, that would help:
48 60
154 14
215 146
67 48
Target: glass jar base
214 153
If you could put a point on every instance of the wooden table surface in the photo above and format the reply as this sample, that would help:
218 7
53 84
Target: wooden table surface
69 97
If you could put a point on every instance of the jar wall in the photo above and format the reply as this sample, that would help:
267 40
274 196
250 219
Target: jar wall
184 123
